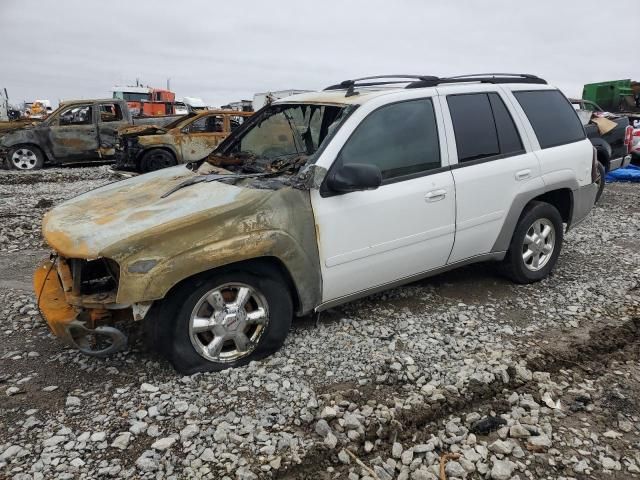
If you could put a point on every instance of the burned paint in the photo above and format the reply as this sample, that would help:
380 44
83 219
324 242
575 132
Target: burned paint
194 230
190 139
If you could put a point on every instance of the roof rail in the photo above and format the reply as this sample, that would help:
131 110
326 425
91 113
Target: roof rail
419 81
481 78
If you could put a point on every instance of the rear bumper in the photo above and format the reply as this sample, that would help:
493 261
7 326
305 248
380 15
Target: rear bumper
583 200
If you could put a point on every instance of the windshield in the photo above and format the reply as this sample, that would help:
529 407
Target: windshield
285 130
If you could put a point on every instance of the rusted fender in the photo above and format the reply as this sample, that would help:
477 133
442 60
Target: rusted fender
159 242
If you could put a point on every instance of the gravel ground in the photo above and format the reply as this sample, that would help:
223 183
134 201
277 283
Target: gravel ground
464 371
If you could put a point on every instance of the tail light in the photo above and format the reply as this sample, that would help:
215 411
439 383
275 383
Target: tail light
628 138
635 140
594 167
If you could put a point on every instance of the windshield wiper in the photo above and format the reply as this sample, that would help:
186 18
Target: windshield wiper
213 177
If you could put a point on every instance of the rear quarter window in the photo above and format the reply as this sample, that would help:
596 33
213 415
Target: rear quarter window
552 117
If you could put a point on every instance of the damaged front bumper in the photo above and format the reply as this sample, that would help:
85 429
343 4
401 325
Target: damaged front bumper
76 319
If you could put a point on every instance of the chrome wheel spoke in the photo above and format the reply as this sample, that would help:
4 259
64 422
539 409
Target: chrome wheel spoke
242 341
527 255
535 263
215 347
216 300
243 296
548 248
201 324
258 316
528 239
546 231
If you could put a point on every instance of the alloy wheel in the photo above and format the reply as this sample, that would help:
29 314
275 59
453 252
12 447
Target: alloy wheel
227 322
538 245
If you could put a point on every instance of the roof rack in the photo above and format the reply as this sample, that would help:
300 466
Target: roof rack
420 81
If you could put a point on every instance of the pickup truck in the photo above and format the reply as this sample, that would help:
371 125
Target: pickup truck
77 131
612 147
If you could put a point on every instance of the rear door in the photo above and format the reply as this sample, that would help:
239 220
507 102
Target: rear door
110 120
73 134
201 136
493 164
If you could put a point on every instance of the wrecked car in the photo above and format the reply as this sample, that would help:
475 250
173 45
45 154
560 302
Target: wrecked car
193 137
316 200
77 131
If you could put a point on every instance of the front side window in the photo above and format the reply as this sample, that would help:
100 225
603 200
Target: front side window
210 124
551 117
287 130
400 139
76 115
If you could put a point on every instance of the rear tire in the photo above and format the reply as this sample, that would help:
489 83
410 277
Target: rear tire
25 157
600 181
535 245
203 325
156 159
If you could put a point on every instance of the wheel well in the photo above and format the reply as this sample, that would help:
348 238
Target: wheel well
562 199
603 159
257 266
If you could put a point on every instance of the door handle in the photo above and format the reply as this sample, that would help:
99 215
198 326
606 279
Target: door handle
523 174
435 195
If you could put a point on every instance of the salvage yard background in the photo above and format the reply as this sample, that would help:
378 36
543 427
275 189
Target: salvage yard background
406 375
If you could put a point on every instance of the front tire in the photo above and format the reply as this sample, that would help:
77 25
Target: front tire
535 245
225 320
25 157
157 159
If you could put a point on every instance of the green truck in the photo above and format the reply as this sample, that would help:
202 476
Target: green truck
616 96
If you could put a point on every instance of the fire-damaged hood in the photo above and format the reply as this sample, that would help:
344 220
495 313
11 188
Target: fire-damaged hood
140 130
119 218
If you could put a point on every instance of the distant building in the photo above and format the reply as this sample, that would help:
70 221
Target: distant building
241 106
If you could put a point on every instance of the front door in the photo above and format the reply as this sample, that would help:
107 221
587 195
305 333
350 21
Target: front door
368 239
73 135
201 137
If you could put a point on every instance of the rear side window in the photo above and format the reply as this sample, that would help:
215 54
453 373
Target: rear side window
508 136
473 125
400 139
551 116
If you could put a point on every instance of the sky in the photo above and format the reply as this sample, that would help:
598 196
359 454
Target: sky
224 51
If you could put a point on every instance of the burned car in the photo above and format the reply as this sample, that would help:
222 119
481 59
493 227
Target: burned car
316 200
192 137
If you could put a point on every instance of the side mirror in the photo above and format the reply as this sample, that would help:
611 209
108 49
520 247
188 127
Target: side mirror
353 177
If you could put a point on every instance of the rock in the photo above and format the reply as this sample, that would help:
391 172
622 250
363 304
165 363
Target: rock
454 469
344 457
610 464
523 374
207 455
73 401
181 406
518 431
330 440
98 436
122 441
407 457
501 446
10 452
163 443
396 450
148 388
351 422
540 440
243 473
189 431
322 428
53 441
12 391
581 466
328 412
50 388
146 462
502 469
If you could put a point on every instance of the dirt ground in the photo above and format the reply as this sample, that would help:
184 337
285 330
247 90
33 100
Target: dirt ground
416 366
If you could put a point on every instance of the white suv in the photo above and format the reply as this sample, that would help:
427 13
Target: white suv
319 199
